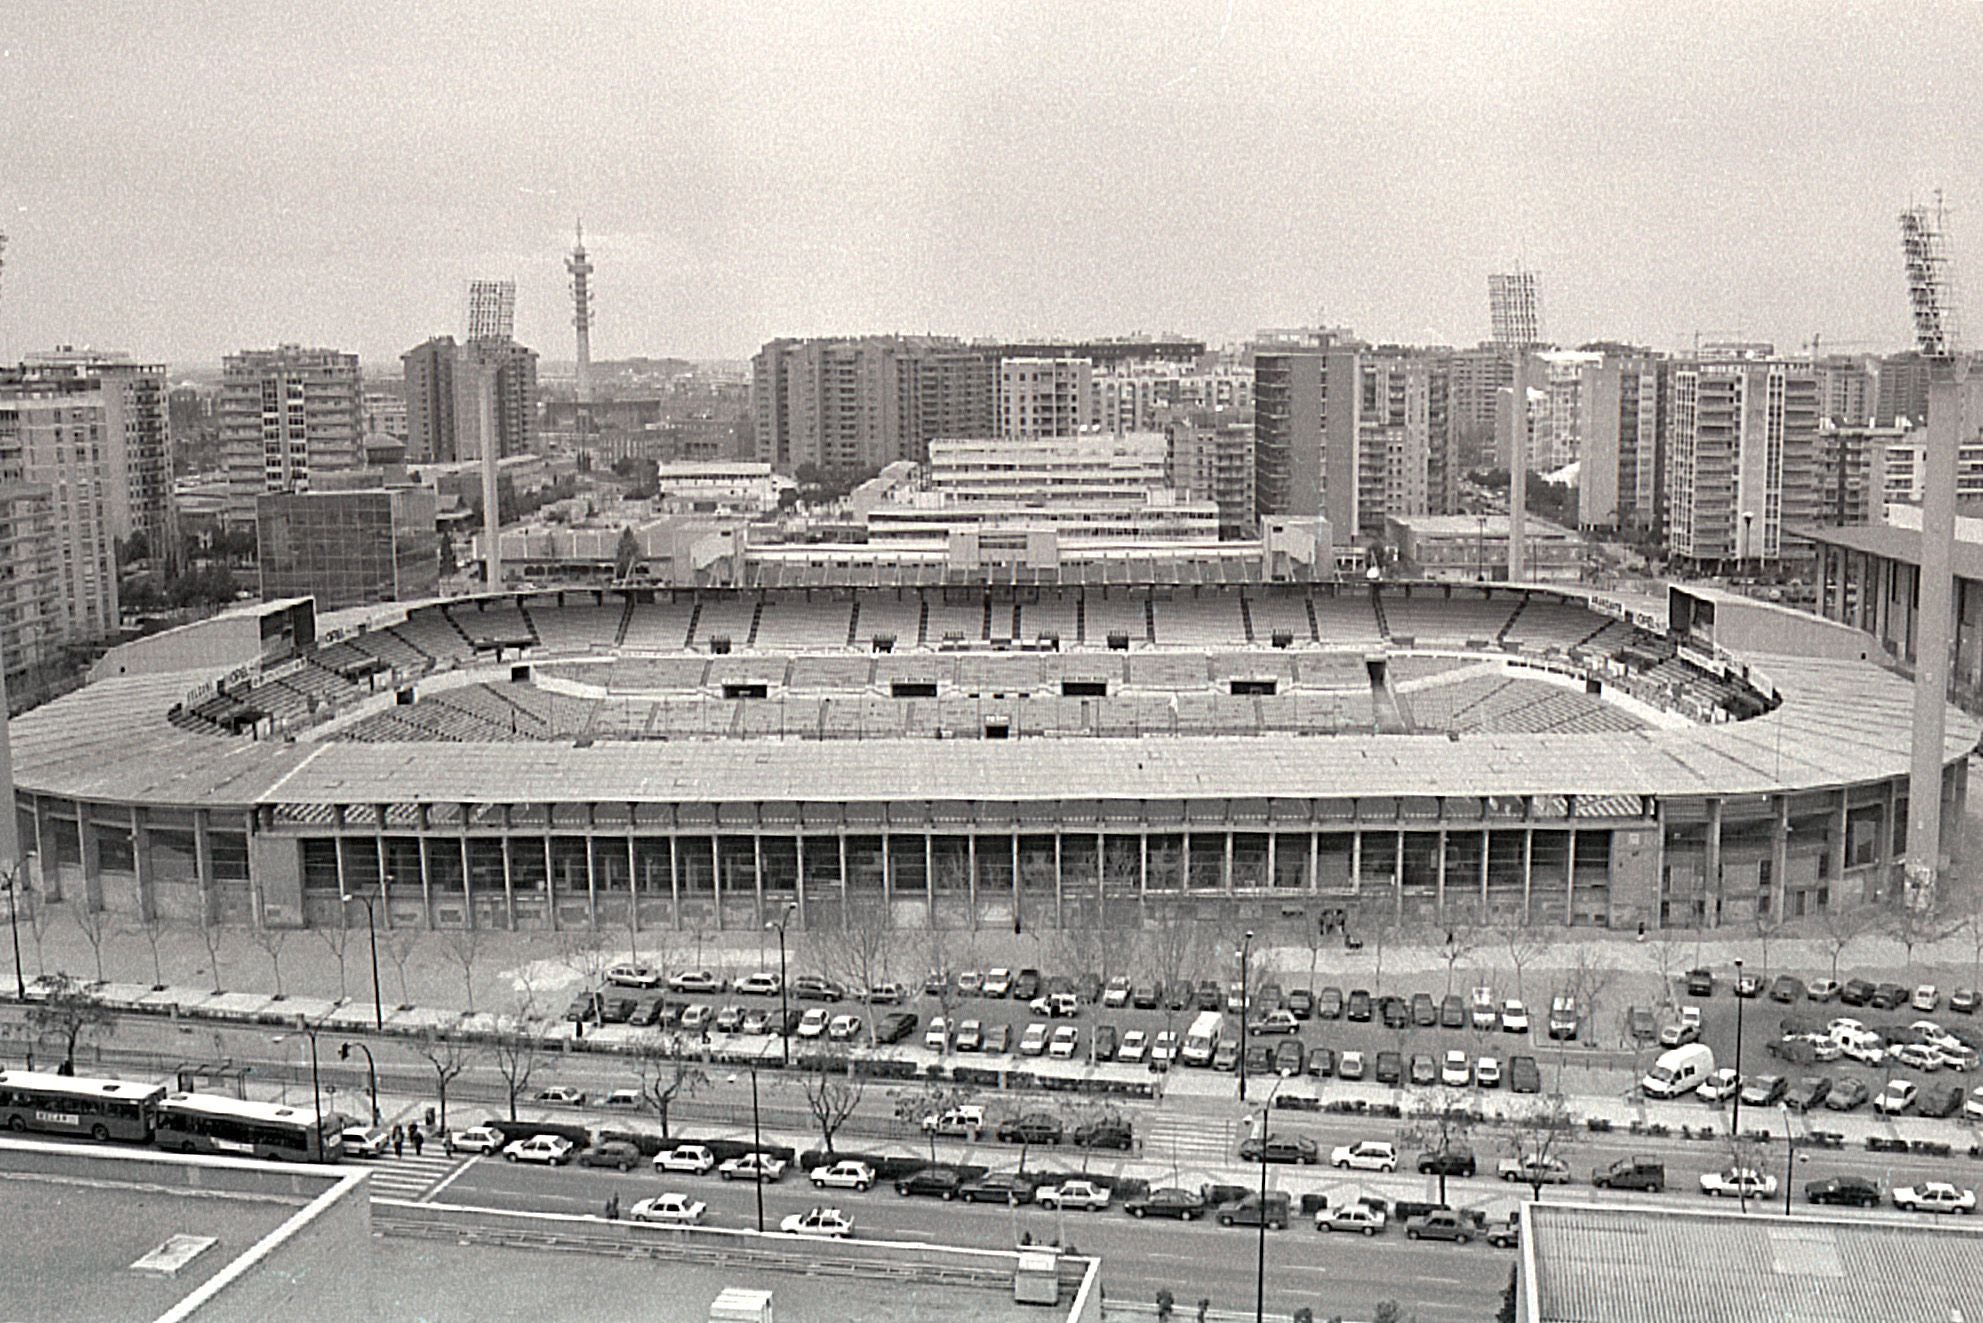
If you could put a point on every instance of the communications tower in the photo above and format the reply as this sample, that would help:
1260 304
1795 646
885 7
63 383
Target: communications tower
580 267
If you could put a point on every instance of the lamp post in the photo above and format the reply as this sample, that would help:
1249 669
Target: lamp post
1789 1159
371 925
316 1086
757 1140
1735 1127
1245 950
784 1014
1260 1262
371 1072
13 890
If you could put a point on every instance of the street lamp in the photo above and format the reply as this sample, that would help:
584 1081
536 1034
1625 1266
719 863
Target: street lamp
1260 1263
316 1086
371 925
784 1016
1736 1130
371 1072
757 1141
1789 1159
13 890
1245 949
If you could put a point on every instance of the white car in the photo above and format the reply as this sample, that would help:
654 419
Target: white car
562 1093
1535 1169
1959 1058
818 1222
696 980
550 1150
1117 992
758 985
1934 1197
1866 1050
1845 1025
1485 1017
1135 1046
629 1098
843 1028
847 1175
1066 1041
478 1139
1360 1218
998 982
634 974
813 1023
698 1016
1972 1107
937 1036
366 1142
1514 1017
1897 1097
963 1122
752 1166
1917 1056
1034 1042
1934 1035
1926 997
691 1158
1487 1073
1823 989
1074 1194
1164 1047
1367 1155
675 1209
1738 1182
1722 1085
1350 1065
1456 1072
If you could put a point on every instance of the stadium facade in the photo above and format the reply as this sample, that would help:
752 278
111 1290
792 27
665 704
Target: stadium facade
962 755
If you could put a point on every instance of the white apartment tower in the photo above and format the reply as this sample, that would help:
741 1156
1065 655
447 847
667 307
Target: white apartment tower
1742 459
1044 397
1515 308
53 435
137 441
287 415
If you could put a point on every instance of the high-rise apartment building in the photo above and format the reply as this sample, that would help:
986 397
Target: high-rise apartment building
53 432
855 405
1305 435
1045 397
1743 460
1403 438
385 414
1849 389
1514 308
1900 389
137 438
1211 458
287 414
1477 378
32 626
443 408
1624 427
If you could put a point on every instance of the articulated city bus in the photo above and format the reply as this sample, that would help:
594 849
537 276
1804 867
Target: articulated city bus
74 1105
204 1123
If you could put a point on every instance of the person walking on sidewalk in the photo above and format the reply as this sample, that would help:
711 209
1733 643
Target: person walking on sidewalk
419 1140
447 1142
398 1141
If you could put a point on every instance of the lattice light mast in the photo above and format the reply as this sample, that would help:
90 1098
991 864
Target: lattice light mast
1924 240
580 267
10 827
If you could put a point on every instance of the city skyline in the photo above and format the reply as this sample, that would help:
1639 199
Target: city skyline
746 174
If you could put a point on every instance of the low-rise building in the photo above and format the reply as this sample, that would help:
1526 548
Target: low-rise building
1460 548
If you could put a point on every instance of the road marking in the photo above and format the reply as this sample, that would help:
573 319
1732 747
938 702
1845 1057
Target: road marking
454 1176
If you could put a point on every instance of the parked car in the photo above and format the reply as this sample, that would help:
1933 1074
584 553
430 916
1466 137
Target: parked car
1964 1001
755 1022
1935 1197
1888 997
1077 1194
843 1175
1631 1174
629 1099
562 1094
1288 1057
1026 985
1534 1169
611 1153
966 1121
1807 1093
1297 1149
1301 1003
1485 1017
1329 1005
1455 1071
1453 1161
1749 986
1764 1091
1390 1068
551 1150
1926 997
669 1209
1856 992
894 1027
1719 1086
1252 1211
1365 1155
1452 1012
478 1139
1065 1043
1106 1042
1822 989
1524 1076
693 980
1033 1042
814 1022
1848 1191
366 1141
1275 1022
1115 1134
1786 989
1847 1094
1350 1065
1700 982
816 987
1425 1013
1737 1182
761 984
930 1183
997 982
760 1167
998 1187
1135 1046
1424 1070
1033 1128
1395 1012
633 974
1361 1218
1514 1017
1487 1072
1639 1023
1507 1233
1184 1205
1564 1018
1898 1096
729 1020
694 1159
818 1222
1939 1100
1358 1008
1456 1225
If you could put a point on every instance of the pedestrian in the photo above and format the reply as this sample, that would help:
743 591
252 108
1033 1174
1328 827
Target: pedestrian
419 1140
613 1208
398 1141
447 1142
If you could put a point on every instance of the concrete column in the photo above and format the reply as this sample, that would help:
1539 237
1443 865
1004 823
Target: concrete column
385 906
1713 918
1185 878
92 863
1439 875
141 866
1840 829
716 875
467 881
1356 861
509 880
592 878
203 865
550 871
971 853
799 851
1486 849
1143 866
887 873
675 878
426 874
1780 860
1018 914
633 877
1570 866
843 878
1528 874
1226 883
929 876
1059 899
1273 856
1314 860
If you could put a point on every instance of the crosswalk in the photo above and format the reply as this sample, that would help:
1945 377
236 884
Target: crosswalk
1188 1143
409 1177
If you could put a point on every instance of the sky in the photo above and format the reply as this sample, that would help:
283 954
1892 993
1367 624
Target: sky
186 178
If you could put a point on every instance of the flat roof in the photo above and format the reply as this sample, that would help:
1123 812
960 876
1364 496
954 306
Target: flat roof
1841 723
1898 544
1618 1264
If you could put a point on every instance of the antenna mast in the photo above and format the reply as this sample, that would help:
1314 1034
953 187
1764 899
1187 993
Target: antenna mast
580 267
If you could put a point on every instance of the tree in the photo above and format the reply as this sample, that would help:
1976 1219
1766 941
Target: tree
337 939
1463 935
1663 949
271 941
464 947
833 1091
929 1098
1376 924
856 951
1917 925
1523 945
1590 978
213 936
94 924
1176 953
666 1073
517 1050
1971 927
626 555
1439 1122
1766 925
1539 1134
943 980
449 1057
583 951
34 908
1842 925
67 1013
150 925
398 946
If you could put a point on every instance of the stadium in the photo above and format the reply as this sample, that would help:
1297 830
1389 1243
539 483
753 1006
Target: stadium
946 755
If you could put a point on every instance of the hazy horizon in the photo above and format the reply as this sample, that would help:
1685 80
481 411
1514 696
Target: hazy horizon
187 180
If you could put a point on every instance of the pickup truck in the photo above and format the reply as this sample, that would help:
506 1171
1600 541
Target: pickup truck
1458 1225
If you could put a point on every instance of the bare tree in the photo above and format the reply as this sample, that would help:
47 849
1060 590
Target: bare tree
833 1091
930 1098
1842 925
1589 979
1463 938
213 936
1523 945
1663 950
942 980
1917 925
1176 953
1439 1122
271 941
517 1050
463 946
1766 925
34 908
94 924
151 925
1971 927
856 952
666 1073
584 952
449 1057
399 945
67 1013
337 940
1538 1136
1375 926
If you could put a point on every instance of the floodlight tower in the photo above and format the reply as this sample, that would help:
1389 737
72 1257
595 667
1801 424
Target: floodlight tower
10 828
580 267
1924 241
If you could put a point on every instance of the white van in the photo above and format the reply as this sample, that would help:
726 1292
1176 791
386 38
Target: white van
1679 1071
1201 1041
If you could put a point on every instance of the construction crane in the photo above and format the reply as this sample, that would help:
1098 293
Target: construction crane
1931 296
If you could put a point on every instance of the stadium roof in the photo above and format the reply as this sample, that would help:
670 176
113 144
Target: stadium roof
1841 723
1894 543
1587 1264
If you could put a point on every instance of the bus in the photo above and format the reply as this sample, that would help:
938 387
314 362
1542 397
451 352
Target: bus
205 1123
74 1105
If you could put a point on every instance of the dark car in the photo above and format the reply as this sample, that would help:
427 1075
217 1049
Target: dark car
1449 1162
1424 1069
1144 997
1183 1205
1850 1191
1856 992
1640 1024
1288 1057
1301 1002
1107 1040
611 1153
1260 1058
1026 985
1105 1134
648 1009
1034 1128
793 1017
1210 995
1524 1076
1764 1091
619 1008
1178 994
585 1006
1394 1012
1281 1148
1963 1001
1888 997
1700 983
931 1183
1939 1100
1453 1012
894 1027
1786 989
1322 1061
1847 1094
1807 1093
1252 1211
998 1187
1631 1174
1424 1013
1330 1004
1390 1068
1359 1005
816 987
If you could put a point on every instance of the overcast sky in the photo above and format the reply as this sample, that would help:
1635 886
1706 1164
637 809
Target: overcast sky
182 179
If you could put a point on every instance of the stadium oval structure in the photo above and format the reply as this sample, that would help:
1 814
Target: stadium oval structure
1321 756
